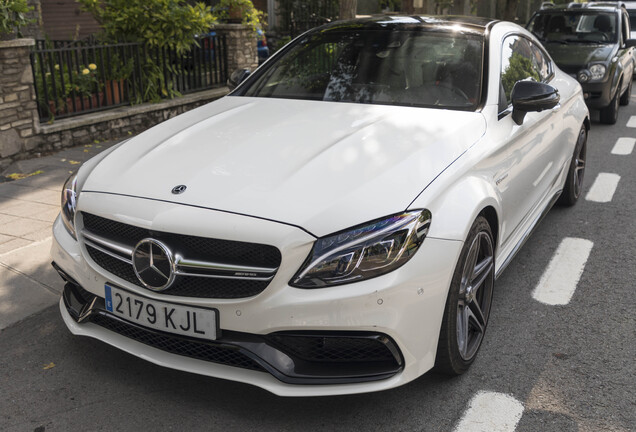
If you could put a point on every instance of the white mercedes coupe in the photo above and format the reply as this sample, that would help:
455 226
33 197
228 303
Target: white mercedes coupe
336 223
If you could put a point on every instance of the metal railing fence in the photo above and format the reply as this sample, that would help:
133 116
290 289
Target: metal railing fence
298 16
73 78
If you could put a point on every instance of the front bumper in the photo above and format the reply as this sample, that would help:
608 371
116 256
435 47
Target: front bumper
598 95
397 317
293 358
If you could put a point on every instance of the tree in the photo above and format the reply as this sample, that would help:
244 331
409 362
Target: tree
407 7
509 9
348 9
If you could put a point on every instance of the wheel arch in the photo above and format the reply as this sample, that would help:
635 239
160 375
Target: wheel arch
619 84
490 214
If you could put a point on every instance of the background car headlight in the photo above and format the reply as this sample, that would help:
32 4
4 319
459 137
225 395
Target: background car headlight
69 204
365 251
597 71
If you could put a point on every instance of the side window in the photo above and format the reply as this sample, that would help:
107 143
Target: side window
520 60
541 62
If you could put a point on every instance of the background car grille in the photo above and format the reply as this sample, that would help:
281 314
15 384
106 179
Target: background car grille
195 248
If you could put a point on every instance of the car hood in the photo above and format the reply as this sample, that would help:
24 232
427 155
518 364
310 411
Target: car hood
322 166
574 54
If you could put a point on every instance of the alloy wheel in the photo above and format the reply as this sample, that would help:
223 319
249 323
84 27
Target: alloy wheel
475 293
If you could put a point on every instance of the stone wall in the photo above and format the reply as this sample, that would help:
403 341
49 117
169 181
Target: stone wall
18 115
241 46
115 124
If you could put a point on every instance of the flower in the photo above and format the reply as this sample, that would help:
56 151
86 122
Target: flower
92 66
57 67
85 71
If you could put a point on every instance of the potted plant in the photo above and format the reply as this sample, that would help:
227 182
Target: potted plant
115 79
13 15
239 11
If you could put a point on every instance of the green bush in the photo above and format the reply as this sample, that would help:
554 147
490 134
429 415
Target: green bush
13 15
158 23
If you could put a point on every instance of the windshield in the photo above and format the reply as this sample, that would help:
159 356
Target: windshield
389 67
575 26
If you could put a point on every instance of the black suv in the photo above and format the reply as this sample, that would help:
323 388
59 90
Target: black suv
591 42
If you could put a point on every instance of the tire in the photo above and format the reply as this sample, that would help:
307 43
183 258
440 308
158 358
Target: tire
625 97
468 302
574 182
609 114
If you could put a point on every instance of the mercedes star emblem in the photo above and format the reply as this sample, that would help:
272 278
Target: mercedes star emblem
153 264
179 189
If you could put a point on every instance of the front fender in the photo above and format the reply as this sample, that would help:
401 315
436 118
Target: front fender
454 210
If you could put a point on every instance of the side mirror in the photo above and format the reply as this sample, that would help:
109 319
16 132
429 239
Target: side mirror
531 96
237 77
630 43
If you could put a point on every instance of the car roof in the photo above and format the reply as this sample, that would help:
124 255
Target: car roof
600 6
468 24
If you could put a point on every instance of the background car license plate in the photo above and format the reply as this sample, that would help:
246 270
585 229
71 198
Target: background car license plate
169 317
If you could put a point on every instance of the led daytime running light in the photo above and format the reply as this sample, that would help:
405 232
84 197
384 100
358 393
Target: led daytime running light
364 251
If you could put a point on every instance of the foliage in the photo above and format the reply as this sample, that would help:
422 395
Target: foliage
81 82
63 85
518 69
118 68
158 23
13 15
390 5
225 10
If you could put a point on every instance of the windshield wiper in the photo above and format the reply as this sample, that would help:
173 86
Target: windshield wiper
582 41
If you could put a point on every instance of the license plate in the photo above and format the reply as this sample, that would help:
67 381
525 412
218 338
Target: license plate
168 317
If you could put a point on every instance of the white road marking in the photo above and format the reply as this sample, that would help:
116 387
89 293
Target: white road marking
559 281
624 146
491 412
632 122
603 188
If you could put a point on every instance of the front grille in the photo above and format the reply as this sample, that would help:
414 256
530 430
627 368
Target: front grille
192 247
202 248
214 353
334 348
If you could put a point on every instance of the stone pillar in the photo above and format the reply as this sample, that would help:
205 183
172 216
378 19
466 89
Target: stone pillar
241 46
18 114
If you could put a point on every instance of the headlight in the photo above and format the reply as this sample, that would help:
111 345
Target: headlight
365 251
69 204
597 71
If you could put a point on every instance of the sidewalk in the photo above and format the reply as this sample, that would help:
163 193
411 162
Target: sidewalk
28 207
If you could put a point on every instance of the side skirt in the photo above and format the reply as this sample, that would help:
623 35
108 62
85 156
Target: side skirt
526 235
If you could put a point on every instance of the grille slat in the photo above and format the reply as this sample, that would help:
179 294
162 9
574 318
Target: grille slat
199 248
333 349
199 350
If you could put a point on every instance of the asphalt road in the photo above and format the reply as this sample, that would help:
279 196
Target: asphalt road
570 367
